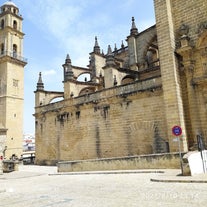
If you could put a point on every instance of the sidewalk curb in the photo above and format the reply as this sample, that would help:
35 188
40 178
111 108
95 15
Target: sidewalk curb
13 177
105 172
167 176
178 181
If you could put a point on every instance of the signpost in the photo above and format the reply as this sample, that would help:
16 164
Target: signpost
177 131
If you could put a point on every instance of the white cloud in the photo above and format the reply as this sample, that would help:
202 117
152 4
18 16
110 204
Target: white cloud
49 72
54 17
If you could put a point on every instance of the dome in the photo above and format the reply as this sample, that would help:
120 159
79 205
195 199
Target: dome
9 3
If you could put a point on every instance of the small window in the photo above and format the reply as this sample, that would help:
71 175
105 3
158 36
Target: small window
2 24
15 24
2 48
15 83
77 114
14 51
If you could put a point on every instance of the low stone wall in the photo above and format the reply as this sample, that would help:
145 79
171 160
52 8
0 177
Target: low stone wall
153 161
9 166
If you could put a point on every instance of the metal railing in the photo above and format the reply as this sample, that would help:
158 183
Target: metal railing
13 55
203 151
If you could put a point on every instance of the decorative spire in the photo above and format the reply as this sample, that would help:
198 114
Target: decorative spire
134 30
122 45
40 84
110 57
68 73
96 48
109 52
67 60
115 81
96 42
115 48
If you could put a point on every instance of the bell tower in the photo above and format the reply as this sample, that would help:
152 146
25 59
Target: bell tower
11 77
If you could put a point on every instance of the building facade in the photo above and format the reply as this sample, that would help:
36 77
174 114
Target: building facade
11 78
135 94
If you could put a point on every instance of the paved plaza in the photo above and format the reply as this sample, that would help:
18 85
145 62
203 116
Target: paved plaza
36 186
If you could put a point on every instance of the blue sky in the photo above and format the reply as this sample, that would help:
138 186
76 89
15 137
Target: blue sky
54 28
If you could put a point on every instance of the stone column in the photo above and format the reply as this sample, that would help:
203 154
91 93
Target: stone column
193 124
193 113
169 72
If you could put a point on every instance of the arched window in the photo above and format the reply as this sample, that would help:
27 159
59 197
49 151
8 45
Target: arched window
14 50
84 77
87 91
127 79
2 48
2 24
15 24
152 53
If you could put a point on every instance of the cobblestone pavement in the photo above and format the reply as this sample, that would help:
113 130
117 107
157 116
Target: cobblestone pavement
35 186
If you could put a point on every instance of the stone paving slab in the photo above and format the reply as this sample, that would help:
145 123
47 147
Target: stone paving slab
160 175
37 186
172 175
165 175
19 175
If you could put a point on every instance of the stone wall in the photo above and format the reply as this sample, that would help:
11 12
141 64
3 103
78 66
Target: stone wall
194 17
121 121
181 27
169 69
158 161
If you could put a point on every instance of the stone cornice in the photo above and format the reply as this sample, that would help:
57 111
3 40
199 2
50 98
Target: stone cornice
11 13
13 60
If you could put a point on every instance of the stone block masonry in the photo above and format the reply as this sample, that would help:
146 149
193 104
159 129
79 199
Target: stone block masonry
104 125
156 161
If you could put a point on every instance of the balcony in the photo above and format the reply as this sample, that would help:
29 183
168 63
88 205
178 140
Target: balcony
13 55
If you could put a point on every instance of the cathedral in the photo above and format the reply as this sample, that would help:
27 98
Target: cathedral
135 96
12 65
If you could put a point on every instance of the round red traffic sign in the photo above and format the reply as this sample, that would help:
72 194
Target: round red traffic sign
176 130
